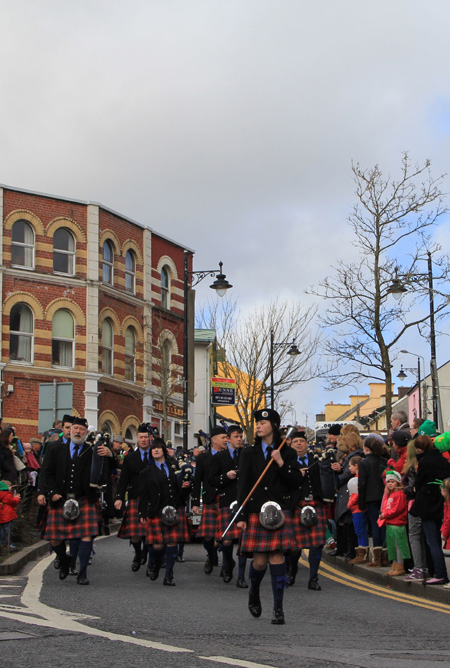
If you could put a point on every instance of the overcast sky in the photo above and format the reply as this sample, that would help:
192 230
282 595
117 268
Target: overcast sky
229 126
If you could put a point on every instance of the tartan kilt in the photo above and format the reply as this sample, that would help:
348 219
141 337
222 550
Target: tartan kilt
224 517
310 536
207 527
131 527
86 523
258 539
157 532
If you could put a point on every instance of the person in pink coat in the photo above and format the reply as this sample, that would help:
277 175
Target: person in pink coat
8 512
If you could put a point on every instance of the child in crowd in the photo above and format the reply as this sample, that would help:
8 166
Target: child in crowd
8 513
445 528
359 517
394 515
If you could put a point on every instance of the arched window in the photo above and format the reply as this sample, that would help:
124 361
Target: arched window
130 354
22 245
108 263
165 288
107 428
107 346
21 333
130 272
130 436
63 252
63 335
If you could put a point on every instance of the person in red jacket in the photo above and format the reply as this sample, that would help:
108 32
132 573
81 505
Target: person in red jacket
445 528
394 515
400 440
8 512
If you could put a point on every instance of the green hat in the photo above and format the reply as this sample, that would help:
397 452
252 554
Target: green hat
442 442
4 487
427 428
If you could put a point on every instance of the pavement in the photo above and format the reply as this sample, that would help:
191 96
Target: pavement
377 576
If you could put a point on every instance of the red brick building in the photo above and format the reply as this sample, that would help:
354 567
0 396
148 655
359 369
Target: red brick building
92 317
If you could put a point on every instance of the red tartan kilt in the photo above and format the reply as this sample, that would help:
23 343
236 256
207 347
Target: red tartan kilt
157 532
86 523
131 527
310 536
258 539
224 517
207 527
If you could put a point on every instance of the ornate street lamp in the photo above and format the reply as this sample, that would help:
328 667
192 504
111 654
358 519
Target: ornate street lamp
293 351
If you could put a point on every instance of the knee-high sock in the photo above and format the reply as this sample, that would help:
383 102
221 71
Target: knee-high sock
158 557
315 555
60 550
209 547
74 546
256 578
242 564
294 557
171 557
227 552
84 552
137 549
278 576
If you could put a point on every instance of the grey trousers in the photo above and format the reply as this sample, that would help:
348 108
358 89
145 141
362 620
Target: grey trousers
417 541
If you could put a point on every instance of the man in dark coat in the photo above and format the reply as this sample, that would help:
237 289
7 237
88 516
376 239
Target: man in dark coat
223 476
210 496
132 465
67 476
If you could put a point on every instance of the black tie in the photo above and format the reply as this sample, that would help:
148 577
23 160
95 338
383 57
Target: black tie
268 453
236 456
145 458
302 462
165 469
75 451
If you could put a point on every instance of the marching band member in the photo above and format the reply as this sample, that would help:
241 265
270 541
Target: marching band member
67 475
223 476
161 500
132 465
207 528
267 545
310 515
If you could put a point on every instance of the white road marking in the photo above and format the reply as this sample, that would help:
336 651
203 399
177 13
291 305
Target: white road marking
236 662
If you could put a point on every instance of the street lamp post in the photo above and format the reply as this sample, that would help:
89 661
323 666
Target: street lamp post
293 350
220 285
397 289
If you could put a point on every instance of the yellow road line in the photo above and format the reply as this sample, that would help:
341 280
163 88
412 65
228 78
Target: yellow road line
377 590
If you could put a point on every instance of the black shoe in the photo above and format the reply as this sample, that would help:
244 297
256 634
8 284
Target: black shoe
254 604
314 584
154 571
291 579
136 564
169 581
82 580
241 583
181 559
277 616
72 571
228 572
57 563
147 572
64 568
106 531
208 568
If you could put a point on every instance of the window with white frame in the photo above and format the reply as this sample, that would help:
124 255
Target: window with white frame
130 354
22 245
107 346
63 338
108 263
130 272
21 334
165 288
64 252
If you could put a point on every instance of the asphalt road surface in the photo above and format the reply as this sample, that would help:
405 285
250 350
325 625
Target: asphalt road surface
124 619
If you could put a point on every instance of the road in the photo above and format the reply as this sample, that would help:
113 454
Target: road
122 619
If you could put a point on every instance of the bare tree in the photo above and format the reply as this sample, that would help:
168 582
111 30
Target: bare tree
246 342
392 218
